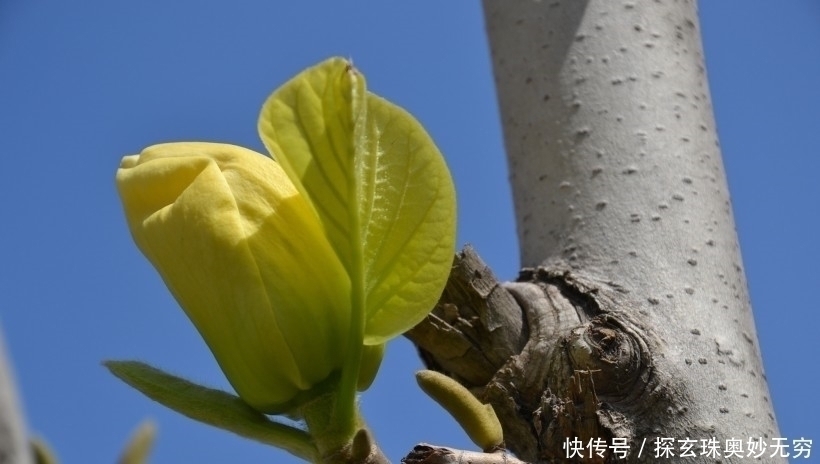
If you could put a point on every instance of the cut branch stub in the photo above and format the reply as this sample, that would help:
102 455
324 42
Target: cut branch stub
476 326
566 363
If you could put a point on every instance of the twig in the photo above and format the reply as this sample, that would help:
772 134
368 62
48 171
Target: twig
14 446
431 454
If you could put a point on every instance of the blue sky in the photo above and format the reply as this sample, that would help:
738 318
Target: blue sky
84 83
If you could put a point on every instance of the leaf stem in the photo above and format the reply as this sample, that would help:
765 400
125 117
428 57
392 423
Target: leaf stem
345 407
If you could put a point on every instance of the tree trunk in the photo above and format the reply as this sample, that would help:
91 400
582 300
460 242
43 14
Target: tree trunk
631 321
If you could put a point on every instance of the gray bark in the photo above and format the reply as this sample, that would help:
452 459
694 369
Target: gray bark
631 318
14 448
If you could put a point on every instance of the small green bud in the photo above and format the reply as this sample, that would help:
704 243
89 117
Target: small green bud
477 419
139 445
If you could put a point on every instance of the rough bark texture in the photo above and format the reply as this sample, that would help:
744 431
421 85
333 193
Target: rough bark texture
14 447
631 321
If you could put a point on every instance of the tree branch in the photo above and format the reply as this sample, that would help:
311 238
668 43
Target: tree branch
14 447
430 454
633 321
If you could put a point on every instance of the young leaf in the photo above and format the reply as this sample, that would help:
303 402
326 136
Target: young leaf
213 407
378 184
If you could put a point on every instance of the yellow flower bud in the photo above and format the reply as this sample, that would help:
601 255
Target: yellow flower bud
247 259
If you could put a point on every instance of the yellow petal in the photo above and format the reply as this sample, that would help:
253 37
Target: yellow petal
247 259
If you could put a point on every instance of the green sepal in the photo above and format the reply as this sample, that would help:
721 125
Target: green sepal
213 407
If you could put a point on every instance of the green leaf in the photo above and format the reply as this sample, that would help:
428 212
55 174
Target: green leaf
213 407
378 184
